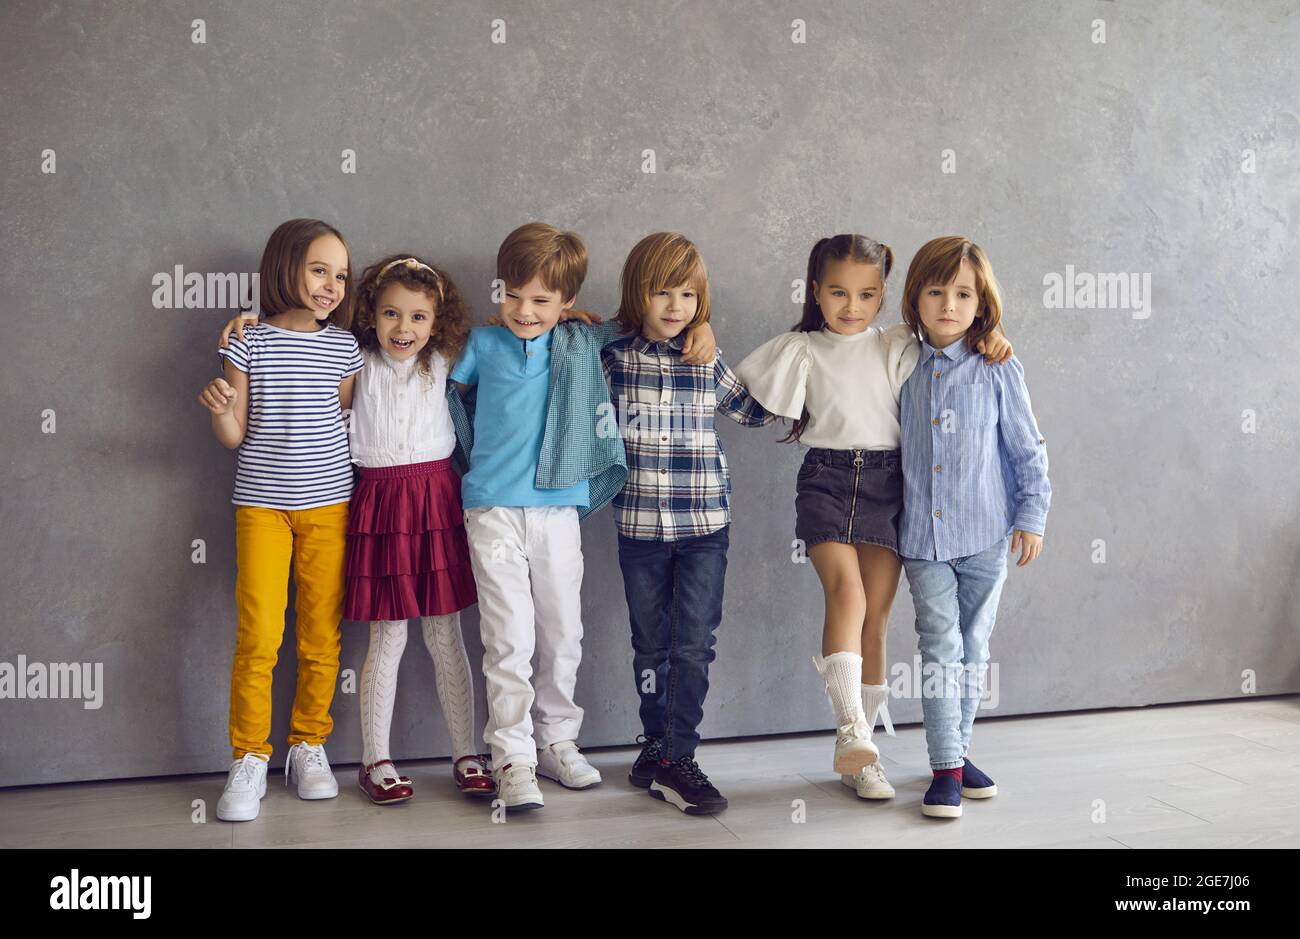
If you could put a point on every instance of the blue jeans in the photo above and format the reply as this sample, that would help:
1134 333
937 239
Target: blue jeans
956 603
674 599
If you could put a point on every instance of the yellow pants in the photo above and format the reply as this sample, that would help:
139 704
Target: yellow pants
266 540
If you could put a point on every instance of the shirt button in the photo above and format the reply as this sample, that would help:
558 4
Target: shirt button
935 422
663 472
666 399
663 504
937 513
937 374
664 439
938 469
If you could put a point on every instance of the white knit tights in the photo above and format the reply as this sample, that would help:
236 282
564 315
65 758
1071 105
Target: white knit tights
451 672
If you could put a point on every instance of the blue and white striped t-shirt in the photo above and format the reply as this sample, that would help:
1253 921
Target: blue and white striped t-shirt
295 450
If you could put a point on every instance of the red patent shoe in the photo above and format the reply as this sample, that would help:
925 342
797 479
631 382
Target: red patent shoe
394 788
472 776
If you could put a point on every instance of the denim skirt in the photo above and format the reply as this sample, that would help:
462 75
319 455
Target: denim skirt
849 496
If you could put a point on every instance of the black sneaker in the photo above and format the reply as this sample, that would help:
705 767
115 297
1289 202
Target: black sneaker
684 784
643 770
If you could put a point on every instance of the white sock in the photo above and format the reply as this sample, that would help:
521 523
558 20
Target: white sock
842 672
875 702
455 681
379 687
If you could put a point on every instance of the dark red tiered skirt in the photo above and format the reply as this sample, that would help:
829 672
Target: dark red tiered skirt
407 553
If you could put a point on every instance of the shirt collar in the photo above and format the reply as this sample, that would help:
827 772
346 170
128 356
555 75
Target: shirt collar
956 350
652 347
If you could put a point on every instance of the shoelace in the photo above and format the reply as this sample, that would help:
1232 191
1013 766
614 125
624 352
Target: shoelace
873 773
313 759
650 749
245 773
691 770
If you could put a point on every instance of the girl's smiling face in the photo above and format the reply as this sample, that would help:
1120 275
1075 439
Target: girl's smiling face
670 311
849 295
403 320
324 276
948 310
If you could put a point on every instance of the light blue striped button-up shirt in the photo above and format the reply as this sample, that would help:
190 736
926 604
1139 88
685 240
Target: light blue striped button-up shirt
974 463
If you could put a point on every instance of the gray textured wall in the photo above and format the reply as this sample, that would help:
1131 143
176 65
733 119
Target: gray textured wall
1125 156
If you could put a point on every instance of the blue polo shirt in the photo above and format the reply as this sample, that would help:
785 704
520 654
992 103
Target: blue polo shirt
513 377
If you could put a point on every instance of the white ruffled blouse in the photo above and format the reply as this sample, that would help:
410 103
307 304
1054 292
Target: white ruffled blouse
400 416
850 385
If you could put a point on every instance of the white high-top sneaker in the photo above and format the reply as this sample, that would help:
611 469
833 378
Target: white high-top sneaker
308 765
853 747
870 781
241 800
517 787
842 673
565 763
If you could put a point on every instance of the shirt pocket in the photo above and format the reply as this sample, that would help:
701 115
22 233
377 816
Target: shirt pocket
973 407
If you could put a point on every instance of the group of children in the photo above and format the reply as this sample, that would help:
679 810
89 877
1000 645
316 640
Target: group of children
479 451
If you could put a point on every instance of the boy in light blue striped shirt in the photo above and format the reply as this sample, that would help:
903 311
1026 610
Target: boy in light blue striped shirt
974 478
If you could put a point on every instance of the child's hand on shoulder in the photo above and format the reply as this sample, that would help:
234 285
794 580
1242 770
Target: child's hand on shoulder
995 348
588 317
1028 544
236 324
218 396
699 347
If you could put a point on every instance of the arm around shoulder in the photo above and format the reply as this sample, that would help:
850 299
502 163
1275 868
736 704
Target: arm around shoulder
776 373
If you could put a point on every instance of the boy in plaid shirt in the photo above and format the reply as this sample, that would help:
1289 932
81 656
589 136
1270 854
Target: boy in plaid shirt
673 514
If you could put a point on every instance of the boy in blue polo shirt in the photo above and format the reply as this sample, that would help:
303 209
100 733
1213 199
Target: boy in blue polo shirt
537 466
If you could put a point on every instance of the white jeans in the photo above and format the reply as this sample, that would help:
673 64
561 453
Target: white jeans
528 570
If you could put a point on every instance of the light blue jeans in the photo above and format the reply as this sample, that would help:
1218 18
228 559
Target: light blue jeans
956 603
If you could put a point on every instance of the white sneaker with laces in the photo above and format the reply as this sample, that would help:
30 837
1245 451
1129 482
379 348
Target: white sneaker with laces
853 747
870 783
308 765
565 763
241 800
517 787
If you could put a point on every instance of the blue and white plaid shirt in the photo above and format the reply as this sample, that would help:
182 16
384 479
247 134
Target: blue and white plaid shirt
678 485
974 463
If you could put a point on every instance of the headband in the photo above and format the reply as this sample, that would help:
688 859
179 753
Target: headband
411 263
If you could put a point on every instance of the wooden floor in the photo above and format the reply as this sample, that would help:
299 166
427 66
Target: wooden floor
1190 776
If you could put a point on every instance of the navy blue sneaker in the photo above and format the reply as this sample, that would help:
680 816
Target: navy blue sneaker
974 784
943 798
643 769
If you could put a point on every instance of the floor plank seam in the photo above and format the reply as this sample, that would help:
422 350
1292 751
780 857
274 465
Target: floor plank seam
1183 811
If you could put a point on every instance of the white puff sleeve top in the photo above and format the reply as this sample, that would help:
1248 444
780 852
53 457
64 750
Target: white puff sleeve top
399 415
850 385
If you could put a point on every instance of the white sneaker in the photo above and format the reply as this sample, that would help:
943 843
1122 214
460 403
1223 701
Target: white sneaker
307 764
242 798
517 787
565 763
870 783
853 747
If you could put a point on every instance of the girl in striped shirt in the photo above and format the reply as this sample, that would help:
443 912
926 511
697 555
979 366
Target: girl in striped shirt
280 402
407 556
838 377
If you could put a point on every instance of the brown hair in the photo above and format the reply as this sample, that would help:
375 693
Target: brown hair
559 258
450 313
283 260
664 259
937 263
858 248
